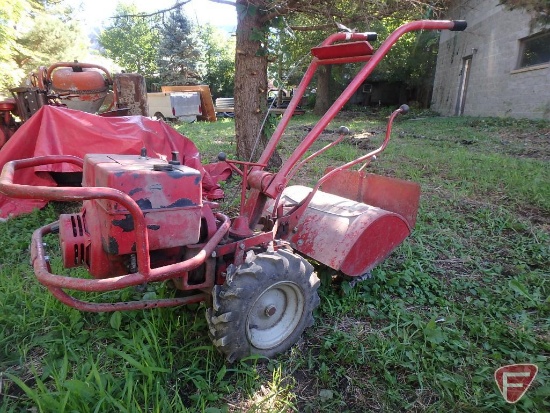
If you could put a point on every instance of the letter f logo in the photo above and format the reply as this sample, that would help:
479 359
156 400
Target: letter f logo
514 380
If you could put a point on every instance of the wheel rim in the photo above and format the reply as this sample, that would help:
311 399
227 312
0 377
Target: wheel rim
275 315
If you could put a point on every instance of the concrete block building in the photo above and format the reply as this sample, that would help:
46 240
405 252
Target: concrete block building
499 66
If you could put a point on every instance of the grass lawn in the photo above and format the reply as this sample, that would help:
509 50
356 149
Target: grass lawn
467 293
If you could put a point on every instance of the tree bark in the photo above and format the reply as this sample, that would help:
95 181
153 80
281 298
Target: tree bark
250 84
322 98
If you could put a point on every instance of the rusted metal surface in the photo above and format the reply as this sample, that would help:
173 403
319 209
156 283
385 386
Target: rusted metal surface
345 235
29 100
138 234
132 93
126 305
144 275
79 86
391 194
170 195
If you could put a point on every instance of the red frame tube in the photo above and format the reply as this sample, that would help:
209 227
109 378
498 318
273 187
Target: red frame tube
303 204
280 179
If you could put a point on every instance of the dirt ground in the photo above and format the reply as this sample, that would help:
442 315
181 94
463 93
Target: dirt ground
528 145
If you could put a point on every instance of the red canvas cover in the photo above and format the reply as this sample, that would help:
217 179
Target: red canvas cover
61 131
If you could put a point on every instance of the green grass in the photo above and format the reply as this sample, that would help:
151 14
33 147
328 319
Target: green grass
467 293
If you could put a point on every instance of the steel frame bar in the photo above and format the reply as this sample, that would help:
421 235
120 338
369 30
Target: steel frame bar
280 179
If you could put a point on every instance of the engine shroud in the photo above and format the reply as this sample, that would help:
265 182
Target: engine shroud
170 197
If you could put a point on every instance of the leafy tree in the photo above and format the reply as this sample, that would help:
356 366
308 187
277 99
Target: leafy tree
257 17
51 38
35 33
217 60
132 42
293 41
11 12
177 54
411 61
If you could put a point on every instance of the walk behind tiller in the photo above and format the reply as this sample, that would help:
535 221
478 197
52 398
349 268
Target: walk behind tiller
144 220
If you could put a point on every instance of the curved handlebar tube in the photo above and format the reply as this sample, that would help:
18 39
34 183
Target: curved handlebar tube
403 109
277 182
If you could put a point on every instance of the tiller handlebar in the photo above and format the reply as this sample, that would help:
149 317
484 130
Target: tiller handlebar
269 185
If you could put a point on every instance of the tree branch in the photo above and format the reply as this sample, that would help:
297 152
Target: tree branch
313 28
175 6
228 2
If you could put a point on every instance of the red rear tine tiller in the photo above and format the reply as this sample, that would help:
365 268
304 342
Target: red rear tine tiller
144 220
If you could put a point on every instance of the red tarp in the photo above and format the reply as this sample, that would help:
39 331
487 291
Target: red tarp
61 131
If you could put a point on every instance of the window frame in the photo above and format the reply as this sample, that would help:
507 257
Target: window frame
523 43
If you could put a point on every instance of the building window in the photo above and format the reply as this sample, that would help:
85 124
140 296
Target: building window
534 50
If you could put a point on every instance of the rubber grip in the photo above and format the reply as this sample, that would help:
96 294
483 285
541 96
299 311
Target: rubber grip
371 37
459 25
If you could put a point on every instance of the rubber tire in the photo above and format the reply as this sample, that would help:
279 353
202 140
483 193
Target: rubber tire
233 302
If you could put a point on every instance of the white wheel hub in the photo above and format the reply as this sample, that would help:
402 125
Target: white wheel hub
275 315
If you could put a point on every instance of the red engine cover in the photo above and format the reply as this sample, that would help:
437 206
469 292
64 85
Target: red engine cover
171 201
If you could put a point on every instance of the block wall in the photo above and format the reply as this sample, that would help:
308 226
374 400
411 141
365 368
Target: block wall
495 86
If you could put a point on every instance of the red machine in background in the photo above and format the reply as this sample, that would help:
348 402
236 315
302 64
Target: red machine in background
79 86
144 220
8 124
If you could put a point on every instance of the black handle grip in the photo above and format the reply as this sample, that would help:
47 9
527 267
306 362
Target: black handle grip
222 156
371 37
459 25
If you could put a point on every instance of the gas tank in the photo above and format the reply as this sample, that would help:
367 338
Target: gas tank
79 88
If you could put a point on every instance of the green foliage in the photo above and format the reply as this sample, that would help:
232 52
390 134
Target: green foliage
132 42
11 12
412 58
291 49
217 62
35 33
411 61
51 39
177 53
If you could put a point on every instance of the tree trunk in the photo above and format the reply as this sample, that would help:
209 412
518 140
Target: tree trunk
250 84
323 99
